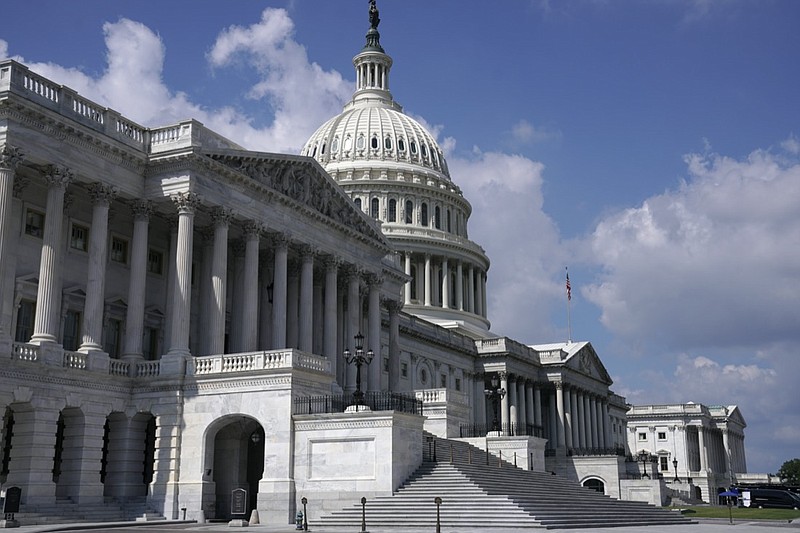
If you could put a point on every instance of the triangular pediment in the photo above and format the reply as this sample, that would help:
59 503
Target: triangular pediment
587 362
301 180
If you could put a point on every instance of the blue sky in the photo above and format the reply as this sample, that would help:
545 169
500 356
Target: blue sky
653 146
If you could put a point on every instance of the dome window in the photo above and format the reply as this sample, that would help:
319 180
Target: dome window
409 212
437 217
424 215
387 143
348 143
335 145
361 143
414 147
322 152
374 143
374 208
314 151
449 230
358 203
424 150
401 145
392 210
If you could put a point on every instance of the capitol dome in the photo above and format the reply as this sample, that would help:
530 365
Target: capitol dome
395 171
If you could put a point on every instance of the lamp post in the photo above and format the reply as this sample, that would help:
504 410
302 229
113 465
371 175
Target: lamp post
644 457
358 358
675 466
495 394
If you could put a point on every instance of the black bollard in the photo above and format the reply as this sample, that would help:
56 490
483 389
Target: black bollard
363 513
438 502
304 501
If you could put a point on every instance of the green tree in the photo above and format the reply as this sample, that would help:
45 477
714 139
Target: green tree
790 472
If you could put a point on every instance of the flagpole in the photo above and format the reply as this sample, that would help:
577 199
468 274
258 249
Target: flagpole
569 309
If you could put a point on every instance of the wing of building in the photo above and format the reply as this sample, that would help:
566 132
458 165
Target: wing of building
183 319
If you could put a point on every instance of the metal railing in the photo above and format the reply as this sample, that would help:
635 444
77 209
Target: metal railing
506 430
375 401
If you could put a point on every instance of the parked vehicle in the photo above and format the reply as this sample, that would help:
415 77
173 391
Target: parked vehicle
770 498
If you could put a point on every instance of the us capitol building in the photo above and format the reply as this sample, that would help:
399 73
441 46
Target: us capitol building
182 318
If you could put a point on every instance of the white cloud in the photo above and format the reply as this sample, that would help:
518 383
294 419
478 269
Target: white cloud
715 262
524 133
3 49
506 195
300 93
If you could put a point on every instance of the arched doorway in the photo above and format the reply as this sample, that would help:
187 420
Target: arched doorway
236 462
595 484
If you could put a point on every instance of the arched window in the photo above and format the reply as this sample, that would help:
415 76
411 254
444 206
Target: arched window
424 215
387 143
358 202
424 150
414 147
401 145
409 212
322 152
314 151
449 230
374 208
392 210
335 145
360 143
374 143
437 217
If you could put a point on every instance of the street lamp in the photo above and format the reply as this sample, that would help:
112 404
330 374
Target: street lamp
359 357
495 394
675 465
644 457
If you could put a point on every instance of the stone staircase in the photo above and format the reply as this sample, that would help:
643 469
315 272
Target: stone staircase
497 495
65 511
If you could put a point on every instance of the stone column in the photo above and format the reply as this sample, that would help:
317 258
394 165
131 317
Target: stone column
31 460
445 284
221 218
394 307
606 423
471 289
522 413
537 406
511 394
504 410
126 443
374 340
593 420
407 292
530 417
567 418
479 294
48 296
575 417
353 320
137 284
102 196
460 285
279 292
252 232
186 204
331 337
428 279
172 261
587 420
10 157
560 426
164 487
83 451
306 330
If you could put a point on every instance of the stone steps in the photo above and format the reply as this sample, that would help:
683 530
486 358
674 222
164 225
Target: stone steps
65 511
477 495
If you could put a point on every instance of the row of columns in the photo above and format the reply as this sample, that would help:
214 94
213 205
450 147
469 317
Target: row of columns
470 283
305 303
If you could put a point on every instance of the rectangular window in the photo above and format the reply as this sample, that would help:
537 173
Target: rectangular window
34 223
72 328
663 464
111 334
155 262
662 435
443 381
642 436
26 312
119 250
79 237
404 369
150 344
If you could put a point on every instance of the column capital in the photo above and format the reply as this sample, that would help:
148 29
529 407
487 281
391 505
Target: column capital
372 279
10 157
307 252
332 262
186 202
102 194
141 209
252 229
393 306
221 216
280 240
58 176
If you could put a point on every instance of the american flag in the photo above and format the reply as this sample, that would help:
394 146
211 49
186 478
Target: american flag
569 289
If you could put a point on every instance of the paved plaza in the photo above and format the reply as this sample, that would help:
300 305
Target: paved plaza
705 526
